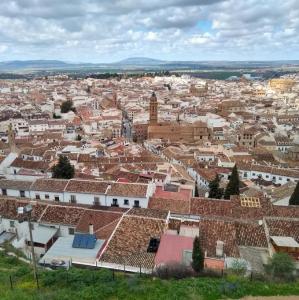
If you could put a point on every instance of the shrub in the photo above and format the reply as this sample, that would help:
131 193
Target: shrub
238 267
173 270
281 266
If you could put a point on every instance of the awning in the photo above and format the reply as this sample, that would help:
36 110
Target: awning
42 234
284 241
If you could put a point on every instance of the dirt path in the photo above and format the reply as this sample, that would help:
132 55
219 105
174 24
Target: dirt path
272 298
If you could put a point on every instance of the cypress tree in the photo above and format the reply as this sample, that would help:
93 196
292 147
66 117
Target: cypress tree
196 194
197 256
63 169
233 186
294 200
215 191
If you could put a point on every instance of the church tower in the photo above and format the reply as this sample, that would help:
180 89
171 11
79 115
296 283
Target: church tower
11 139
153 110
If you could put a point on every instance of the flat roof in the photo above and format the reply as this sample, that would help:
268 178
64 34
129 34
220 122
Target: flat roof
62 250
171 248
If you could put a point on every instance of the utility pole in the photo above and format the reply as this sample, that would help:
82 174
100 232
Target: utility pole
27 212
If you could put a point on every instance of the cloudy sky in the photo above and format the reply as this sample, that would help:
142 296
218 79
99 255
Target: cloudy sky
110 30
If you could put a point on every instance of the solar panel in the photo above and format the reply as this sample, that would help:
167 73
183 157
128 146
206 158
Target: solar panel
84 241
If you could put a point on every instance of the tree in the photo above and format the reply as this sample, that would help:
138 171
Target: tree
79 137
66 106
215 191
63 169
281 266
197 256
294 200
196 194
233 186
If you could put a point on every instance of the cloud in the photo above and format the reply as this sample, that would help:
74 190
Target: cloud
108 30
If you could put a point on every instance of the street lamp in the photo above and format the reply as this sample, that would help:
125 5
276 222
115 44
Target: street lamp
26 211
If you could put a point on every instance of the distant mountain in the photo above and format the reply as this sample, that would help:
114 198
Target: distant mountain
136 61
31 64
134 64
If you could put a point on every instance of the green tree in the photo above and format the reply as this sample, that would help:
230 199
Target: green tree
281 266
63 169
294 200
196 193
215 191
79 137
197 256
66 106
233 186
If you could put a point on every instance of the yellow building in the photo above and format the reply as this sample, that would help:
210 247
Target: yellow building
281 84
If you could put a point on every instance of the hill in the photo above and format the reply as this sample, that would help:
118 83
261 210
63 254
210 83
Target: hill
16 282
140 61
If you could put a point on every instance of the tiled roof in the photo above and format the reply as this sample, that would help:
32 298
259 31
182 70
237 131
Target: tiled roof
211 231
128 190
176 206
283 227
8 208
130 241
30 164
49 185
148 213
15 184
99 220
64 215
86 186
210 207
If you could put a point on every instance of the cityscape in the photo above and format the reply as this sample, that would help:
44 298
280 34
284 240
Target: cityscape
142 157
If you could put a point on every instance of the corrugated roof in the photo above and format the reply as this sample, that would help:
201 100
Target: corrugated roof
284 241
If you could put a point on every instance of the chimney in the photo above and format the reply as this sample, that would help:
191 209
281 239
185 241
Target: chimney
219 248
90 228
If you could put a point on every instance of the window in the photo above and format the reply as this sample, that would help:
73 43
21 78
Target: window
126 202
12 224
47 196
37 197
56 198
15 171
114 202
288 179
4 192
71 231
22 194
136 203
96 201
73 199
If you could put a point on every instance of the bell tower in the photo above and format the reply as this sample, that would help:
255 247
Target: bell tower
153 110
11 139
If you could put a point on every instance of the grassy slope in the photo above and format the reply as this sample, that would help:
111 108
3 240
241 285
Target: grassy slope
99 284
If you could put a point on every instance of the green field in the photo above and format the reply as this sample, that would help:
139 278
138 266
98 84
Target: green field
101 284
